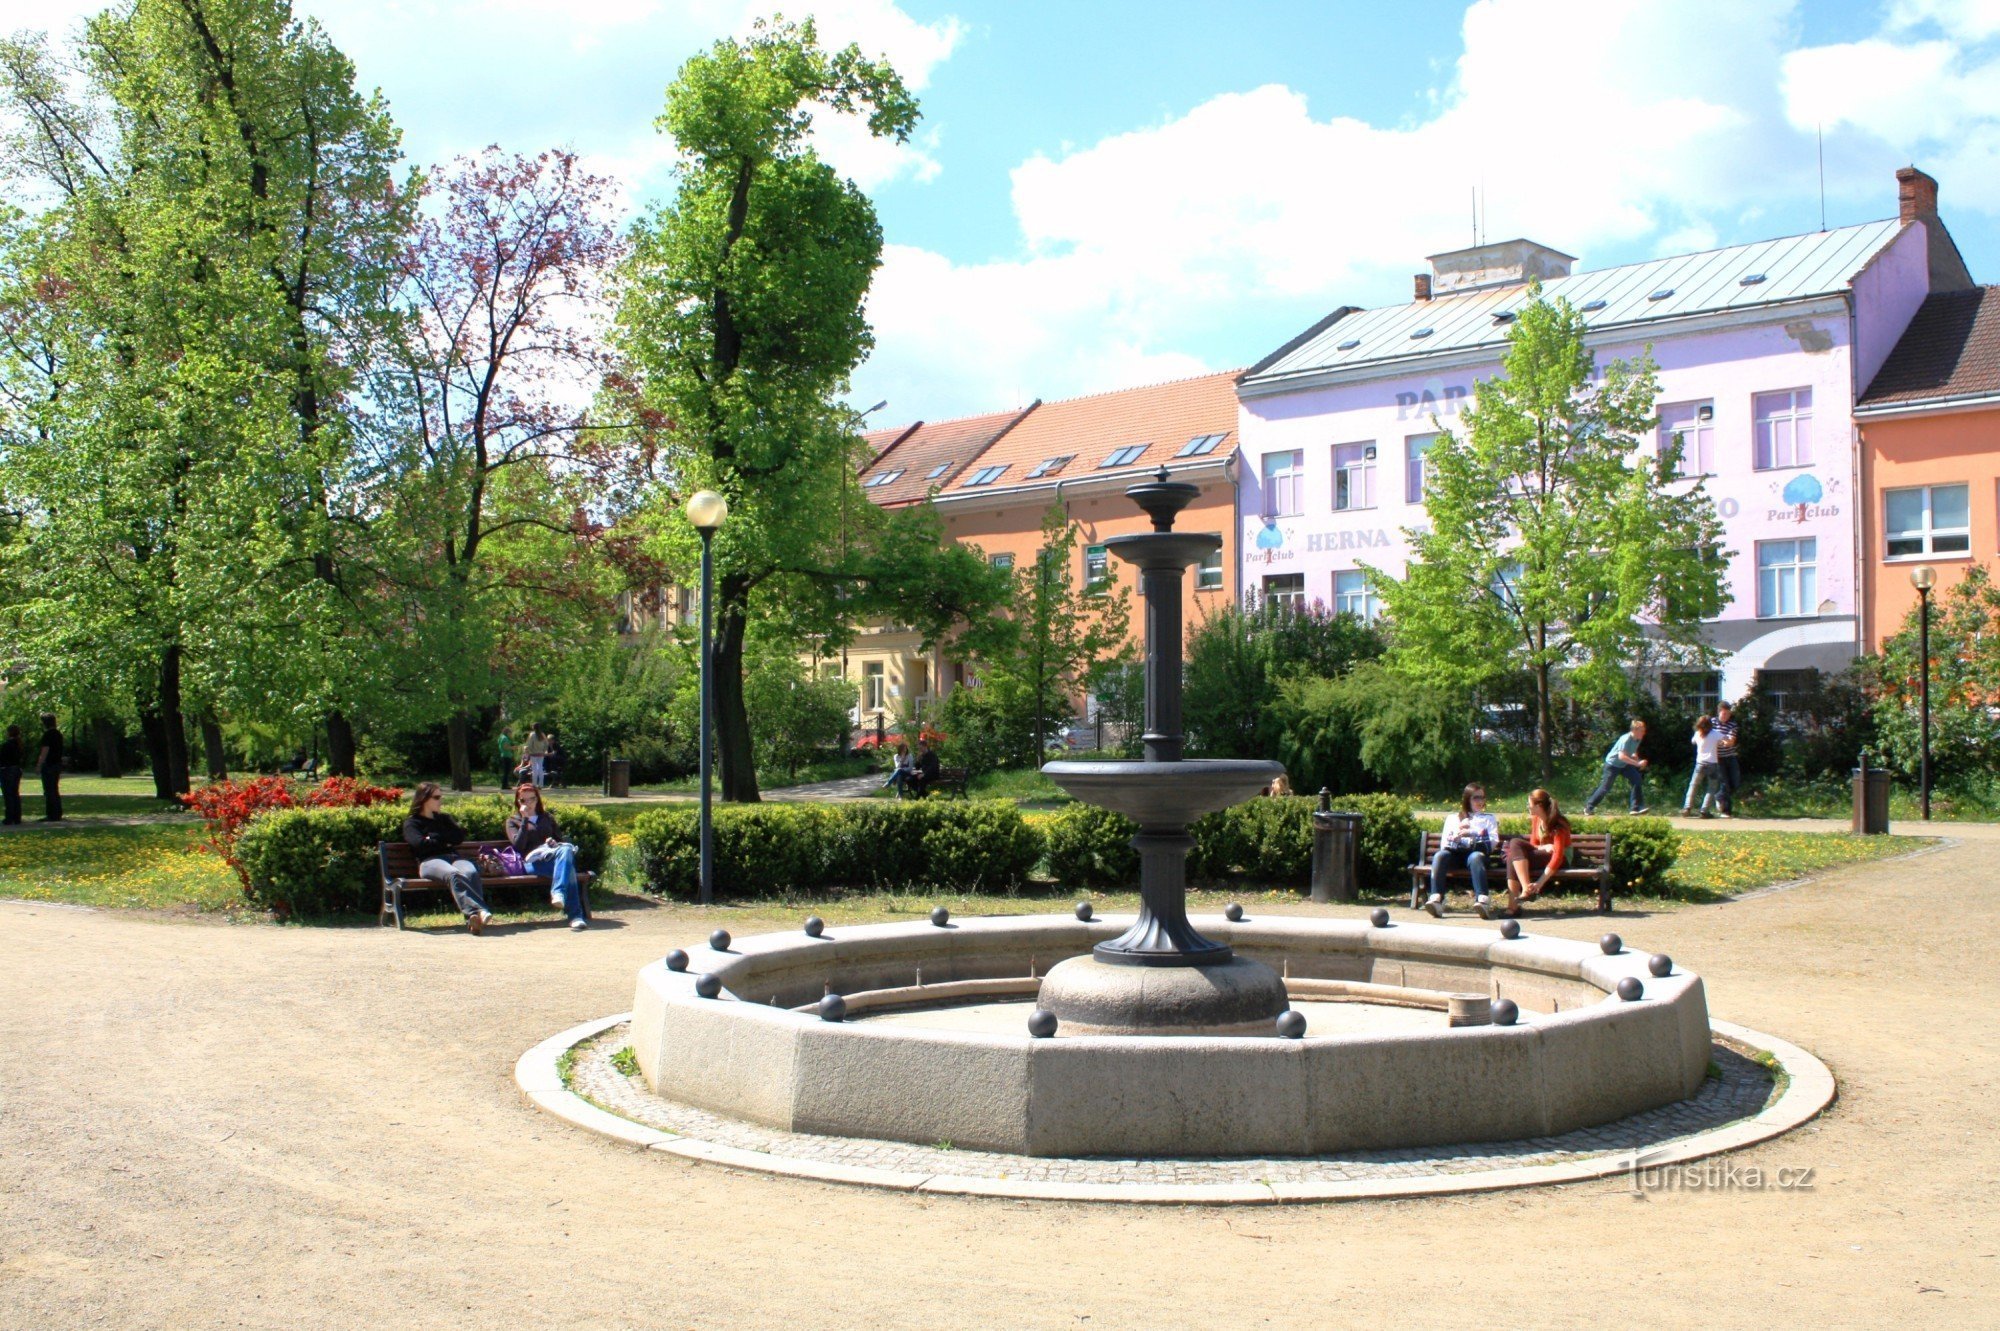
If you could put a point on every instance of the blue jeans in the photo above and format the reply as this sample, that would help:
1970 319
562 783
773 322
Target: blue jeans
1634 776
558 865
898 777
1472 861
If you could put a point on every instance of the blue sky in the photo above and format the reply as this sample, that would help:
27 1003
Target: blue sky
1107 192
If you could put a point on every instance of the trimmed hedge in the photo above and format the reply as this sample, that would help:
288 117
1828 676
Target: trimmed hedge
323 861
784 850
1267 840
1642 849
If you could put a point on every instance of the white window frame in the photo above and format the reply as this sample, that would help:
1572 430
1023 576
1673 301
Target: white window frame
1800 572
1928 533
1354 464
1208 573
1100 556
1796 417
1004 559
874 685
1284 475
1415 469
1290 597
1697 435
1362 604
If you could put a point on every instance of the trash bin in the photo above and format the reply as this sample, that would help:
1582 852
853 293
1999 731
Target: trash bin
618 778
1871 798
1335 836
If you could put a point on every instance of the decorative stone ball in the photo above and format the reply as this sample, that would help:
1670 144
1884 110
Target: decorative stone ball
708 986
1510 928
1232 912
1660 964
1292 1024
1630 989
677 960
1505 1012
1041 1023
1083 910
815 926
940 917
719 940
1379 918
1612 944
832 1008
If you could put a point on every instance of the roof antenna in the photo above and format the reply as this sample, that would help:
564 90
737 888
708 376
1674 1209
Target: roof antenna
1475 217
1819 128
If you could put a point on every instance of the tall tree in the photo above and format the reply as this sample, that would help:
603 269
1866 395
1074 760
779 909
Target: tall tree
1965 681
741 318
1558 545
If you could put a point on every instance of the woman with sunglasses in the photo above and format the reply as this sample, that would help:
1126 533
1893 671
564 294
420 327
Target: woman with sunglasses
1468 835
1534 859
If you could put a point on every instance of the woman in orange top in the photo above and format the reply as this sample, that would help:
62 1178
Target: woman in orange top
1539 856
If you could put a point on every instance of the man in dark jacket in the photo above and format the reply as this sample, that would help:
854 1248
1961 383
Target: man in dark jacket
48 763
10 775
929 769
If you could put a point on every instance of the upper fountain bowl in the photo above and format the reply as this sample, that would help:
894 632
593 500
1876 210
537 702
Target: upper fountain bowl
1164 794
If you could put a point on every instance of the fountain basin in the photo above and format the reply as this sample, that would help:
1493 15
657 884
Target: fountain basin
1164 794
757 1052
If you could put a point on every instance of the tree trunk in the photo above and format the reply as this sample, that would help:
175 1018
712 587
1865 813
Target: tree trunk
154 727
732 718
108 763
458 734
171 718
1544 725
212 748
339 744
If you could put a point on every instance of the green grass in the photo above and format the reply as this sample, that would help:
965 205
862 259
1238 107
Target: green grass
1026 787
1717 864
152 866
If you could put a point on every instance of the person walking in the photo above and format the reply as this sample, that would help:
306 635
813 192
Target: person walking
504 747
48 764
536 751
11 755
1707 777
1468 835
1732 769
1623 763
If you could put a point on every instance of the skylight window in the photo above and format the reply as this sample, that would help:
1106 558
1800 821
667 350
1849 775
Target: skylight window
1124 457
937 471
1200 446
1506 317
1050 466
1590 305
987 475
881 478
1349 345
1421 332
1661 294
1749 279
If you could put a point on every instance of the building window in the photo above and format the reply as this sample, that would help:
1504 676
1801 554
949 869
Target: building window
1783 428
1123 457
1354 476
881 478
1695 691
1208 574
986 475
1787 578
1096 570
1050 466
1286 590
1284 484
1005 559
1353 596
1928 520
937 471
1200 446
1414 449
1785 689
1507 582
1694 422
874 686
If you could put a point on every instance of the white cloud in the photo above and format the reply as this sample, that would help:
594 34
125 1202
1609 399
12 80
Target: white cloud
1971 20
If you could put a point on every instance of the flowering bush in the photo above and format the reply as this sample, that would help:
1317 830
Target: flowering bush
226 807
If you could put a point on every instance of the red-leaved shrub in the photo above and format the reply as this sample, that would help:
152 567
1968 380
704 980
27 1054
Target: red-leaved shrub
226 807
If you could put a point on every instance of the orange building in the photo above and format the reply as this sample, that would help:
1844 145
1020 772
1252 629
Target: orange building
1930 455
993 479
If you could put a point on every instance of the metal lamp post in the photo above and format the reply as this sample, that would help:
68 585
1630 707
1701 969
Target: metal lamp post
1923 577
706 509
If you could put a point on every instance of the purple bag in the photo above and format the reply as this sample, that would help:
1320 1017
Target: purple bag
511 861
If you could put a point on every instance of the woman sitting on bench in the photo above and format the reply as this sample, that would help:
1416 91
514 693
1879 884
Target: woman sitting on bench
531 829
1534 859
1468 835
436 837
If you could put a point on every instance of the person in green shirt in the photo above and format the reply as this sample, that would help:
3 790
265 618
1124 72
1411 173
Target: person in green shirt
1623 762
505 747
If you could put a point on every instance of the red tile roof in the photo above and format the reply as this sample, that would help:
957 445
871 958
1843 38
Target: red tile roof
1089 430
929 455
1951 349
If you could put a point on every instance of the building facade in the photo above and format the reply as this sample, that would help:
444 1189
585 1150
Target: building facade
1930 456
1762 349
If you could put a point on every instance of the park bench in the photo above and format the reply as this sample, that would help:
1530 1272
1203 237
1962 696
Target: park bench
1589 862
400 876
948 778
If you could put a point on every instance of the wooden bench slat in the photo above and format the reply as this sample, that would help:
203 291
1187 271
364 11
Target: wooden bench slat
1589 862
399 865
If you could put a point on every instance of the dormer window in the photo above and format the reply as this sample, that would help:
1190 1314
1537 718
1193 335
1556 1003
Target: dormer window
1050 466
1124 457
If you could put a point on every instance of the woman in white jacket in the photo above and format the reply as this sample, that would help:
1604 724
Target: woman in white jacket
1468 835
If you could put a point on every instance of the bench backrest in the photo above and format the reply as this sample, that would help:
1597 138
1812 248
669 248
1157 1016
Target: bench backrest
1586 849
399 858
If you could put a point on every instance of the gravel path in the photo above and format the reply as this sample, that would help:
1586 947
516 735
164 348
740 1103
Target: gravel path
213 1125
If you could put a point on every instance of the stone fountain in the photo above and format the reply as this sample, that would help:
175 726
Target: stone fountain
1161 976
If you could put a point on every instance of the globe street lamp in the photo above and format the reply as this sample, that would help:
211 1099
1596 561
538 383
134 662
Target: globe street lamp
1923 577
706 509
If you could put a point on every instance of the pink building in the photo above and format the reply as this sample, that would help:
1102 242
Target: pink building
1762 349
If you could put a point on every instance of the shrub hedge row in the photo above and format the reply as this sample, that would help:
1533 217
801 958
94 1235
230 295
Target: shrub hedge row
322 861
781 850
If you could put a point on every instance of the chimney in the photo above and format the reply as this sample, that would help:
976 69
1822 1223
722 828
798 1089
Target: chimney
1497 263
1423 286
1916 195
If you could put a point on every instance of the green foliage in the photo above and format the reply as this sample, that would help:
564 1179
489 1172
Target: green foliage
1965 682
1120 690
786 850
795 716
1556 543
1091 847
614 698
1238 661
983 726
1371 728
1643 850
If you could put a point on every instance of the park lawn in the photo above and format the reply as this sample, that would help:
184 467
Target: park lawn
1016 784
1713 865
149 866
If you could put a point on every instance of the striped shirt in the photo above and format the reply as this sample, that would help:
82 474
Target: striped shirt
1725 734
